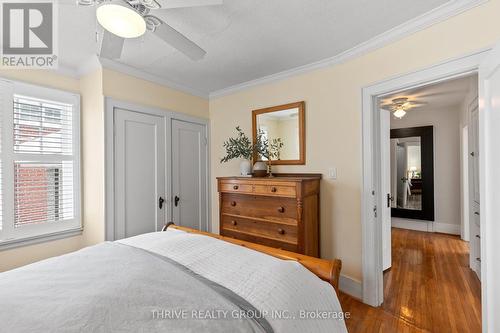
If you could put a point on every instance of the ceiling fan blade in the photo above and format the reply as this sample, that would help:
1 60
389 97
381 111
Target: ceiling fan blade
178 41
167 4
416 105
110 45
441 93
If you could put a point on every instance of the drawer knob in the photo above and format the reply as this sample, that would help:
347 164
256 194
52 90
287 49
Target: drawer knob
235 187
281 209
233 203
281 231
477 213
273 189
477 236
478 259
233 222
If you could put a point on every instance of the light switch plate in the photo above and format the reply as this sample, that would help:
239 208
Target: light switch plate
332 173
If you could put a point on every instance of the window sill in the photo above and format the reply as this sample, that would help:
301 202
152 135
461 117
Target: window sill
13 243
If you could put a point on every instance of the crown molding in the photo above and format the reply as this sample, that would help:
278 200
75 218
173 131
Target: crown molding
437 15
91 65
140 74
66 70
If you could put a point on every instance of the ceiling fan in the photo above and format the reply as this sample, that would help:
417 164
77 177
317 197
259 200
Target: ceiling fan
399 106
122 19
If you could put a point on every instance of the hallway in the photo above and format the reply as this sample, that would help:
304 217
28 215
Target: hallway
430 288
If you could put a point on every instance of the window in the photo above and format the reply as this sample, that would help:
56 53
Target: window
39 164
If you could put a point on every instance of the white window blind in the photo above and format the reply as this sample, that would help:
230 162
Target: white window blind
39 192
42 127
43 190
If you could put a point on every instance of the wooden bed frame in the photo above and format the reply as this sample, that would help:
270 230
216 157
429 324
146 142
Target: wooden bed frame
326 270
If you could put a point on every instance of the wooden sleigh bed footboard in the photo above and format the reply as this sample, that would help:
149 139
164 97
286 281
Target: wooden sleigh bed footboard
326 270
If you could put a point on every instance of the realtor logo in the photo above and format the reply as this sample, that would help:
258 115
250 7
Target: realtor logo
28 34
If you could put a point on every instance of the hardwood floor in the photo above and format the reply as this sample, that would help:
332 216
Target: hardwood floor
429 288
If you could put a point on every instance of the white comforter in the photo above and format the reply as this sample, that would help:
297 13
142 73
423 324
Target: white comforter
292 297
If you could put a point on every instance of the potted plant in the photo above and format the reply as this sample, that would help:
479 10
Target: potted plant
239 147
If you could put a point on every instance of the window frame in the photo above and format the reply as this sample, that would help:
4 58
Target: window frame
11 236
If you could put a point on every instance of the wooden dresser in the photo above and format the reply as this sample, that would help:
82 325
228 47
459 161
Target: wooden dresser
281 212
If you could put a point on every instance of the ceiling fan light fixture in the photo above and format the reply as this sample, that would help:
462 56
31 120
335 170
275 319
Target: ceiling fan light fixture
399 113
120 19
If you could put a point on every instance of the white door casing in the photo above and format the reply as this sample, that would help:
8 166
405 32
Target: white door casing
139 173
385 210
489 185
189 174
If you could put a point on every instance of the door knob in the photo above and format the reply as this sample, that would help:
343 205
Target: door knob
176 201
160 202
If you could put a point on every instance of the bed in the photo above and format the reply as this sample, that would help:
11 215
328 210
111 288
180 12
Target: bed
177 280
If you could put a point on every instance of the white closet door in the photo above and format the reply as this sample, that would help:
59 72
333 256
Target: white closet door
474 120
139 173
189 174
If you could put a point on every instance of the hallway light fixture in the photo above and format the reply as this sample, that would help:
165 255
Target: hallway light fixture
399 106
399 113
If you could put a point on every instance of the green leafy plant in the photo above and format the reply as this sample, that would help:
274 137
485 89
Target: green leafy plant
270 150
238 147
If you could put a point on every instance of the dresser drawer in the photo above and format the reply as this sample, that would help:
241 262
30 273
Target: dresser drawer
259 206
235 188
275 190
260 240
277 231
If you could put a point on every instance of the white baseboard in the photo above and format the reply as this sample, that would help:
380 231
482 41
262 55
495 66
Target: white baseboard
446 228
411 224
350 286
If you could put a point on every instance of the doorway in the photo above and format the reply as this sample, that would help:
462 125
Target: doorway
424 208
487 64
156 170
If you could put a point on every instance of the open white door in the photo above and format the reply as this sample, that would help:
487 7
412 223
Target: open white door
385 210
489 166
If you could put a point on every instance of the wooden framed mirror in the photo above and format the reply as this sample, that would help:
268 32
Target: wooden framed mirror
286 122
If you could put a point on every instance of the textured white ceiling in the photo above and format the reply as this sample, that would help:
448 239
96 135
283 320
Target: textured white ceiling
244 39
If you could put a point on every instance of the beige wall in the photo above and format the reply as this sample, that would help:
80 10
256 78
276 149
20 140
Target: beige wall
131 89
92 163
333 118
